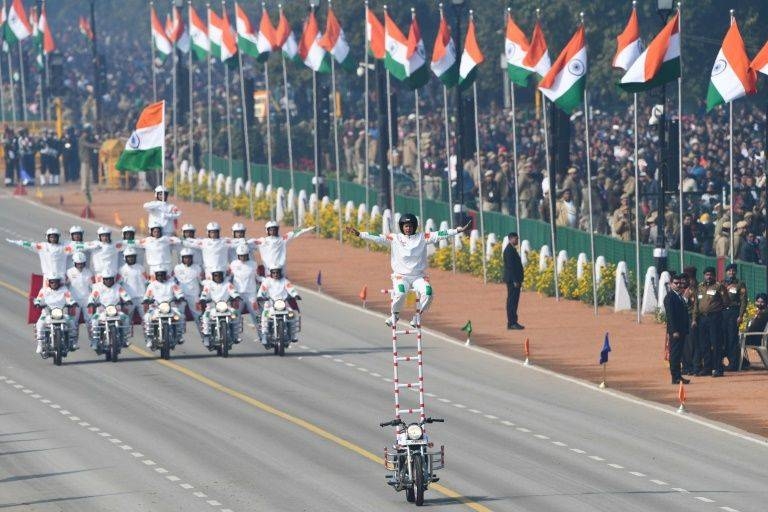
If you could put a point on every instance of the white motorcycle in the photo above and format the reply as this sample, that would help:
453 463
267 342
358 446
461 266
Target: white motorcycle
283 323
226 327
56 338
111 334
166 329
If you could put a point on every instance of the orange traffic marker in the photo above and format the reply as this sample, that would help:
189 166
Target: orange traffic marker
681 397
527 350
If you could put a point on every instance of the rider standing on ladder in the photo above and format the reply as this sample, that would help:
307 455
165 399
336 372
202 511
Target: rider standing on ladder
409 261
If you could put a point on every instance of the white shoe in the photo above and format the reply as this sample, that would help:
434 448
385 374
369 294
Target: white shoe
149 344
39 347
391 320
414 323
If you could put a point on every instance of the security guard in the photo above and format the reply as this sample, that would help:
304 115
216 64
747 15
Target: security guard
733 315
691 352
712 300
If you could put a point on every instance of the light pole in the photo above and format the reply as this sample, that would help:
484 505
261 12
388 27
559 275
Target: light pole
664 8
458 208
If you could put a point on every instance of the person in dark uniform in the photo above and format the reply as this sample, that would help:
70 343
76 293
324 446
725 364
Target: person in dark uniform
711 300
11 156
758 323
688 286
678 324
69 154
513 276
733 315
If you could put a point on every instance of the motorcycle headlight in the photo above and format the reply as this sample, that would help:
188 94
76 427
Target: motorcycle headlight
57 313
279 305
222 307
164 308
111 311
414 432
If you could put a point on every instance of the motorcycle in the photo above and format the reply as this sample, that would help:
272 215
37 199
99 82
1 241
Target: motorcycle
226 328
166 329
282 320
57 335
411 463
111 334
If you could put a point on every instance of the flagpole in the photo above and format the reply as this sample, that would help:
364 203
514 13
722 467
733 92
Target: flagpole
162 151
2 95
680 142
226 100
296 220
390 163
175 120
418 158
336 138
448 168
316 151
247 174
551 194
193 178
23 85
637 216
152 49
269 146
480 178
366 138
13 86
210 115
514 158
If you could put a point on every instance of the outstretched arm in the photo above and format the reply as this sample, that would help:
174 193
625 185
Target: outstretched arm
371 237
435 236
25 244
297 233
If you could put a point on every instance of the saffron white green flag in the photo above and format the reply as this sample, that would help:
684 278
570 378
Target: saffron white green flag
17 26
162 45
405 57
246 39
310 52
266 37
198 33
471 58
444 63
285 39
144 149
659 63
567 78
732 76
516 47
335 43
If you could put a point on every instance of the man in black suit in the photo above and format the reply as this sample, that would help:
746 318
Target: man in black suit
513 276
678 326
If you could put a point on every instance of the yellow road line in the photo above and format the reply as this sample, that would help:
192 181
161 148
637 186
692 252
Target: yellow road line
450 493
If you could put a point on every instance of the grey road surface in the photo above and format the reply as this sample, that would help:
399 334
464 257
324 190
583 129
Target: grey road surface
258 432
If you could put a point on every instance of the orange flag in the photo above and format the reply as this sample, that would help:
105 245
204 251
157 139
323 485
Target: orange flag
363 293
681 393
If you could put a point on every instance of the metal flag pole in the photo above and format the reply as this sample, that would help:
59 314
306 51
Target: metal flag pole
366 138
23 84
288 132
226 100
269 144
2 95
246 141
680 143
210 114
316 151
193 178
730 166
419 175
13 87
448 169
515 170
390 162
552 227
152 48
175 119
589 205
637 216
162 152
336 140
480 179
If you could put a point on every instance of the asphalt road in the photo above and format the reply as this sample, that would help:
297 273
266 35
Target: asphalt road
258 432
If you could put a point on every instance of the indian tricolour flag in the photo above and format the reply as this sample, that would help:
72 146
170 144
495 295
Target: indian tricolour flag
566 80
659 63
246 39
310 52
516 47
17 26
144 149
471 58
403 59
223 44
760 62
198 33
444 64
266 37
285 39
374 35
163 47
335 43
629 46
537 57
732 77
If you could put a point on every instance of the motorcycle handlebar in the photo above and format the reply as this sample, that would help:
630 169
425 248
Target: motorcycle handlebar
392 423
434 420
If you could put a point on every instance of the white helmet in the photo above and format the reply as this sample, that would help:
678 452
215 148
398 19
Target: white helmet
76 229
154 224
130 251
242 249
160 188
103 230
78 257
52 231
108 274
186 252
187 227
217 270
238 226
129 229
55 276
213 226
271 224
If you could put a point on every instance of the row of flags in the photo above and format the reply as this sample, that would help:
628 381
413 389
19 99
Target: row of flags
16 26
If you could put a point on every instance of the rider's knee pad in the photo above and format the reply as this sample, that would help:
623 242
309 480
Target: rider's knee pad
428 291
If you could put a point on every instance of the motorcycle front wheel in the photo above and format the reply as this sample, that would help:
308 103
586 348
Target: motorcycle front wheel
224 329
113 345
418 481
57 344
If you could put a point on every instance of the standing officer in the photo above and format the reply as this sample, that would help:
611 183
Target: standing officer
712 300
691 353
513 276
732 316
678 323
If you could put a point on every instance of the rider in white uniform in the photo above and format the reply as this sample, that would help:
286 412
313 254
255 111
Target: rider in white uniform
188 233
77 243
214 248
129 239
245 278
54 295
161 212
238 239
105 254
272 248
276 287
53 255
162 289
79 281
133 279
157 249
189 275
214 290
409 261
108 293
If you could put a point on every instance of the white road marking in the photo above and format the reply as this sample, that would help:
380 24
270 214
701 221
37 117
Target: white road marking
199 494
27 391
94 429
45 401
213 503
444 400
523 429
115 440
149 462
430 395
84 424
337 360
659 482
728 509
540 436
173 478
138 455
162 471
126 447
105 434
327 356
460 406
55 406
360 368
637 473
65 412
74 418
186 486
18 386
507 423
35 396
491 416
474 411
616 466
351 365
704 499
559 443
680 489
595 457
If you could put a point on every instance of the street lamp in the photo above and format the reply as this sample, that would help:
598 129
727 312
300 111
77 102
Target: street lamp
664 9
458 208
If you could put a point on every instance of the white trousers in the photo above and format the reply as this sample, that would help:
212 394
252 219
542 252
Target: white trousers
402 284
